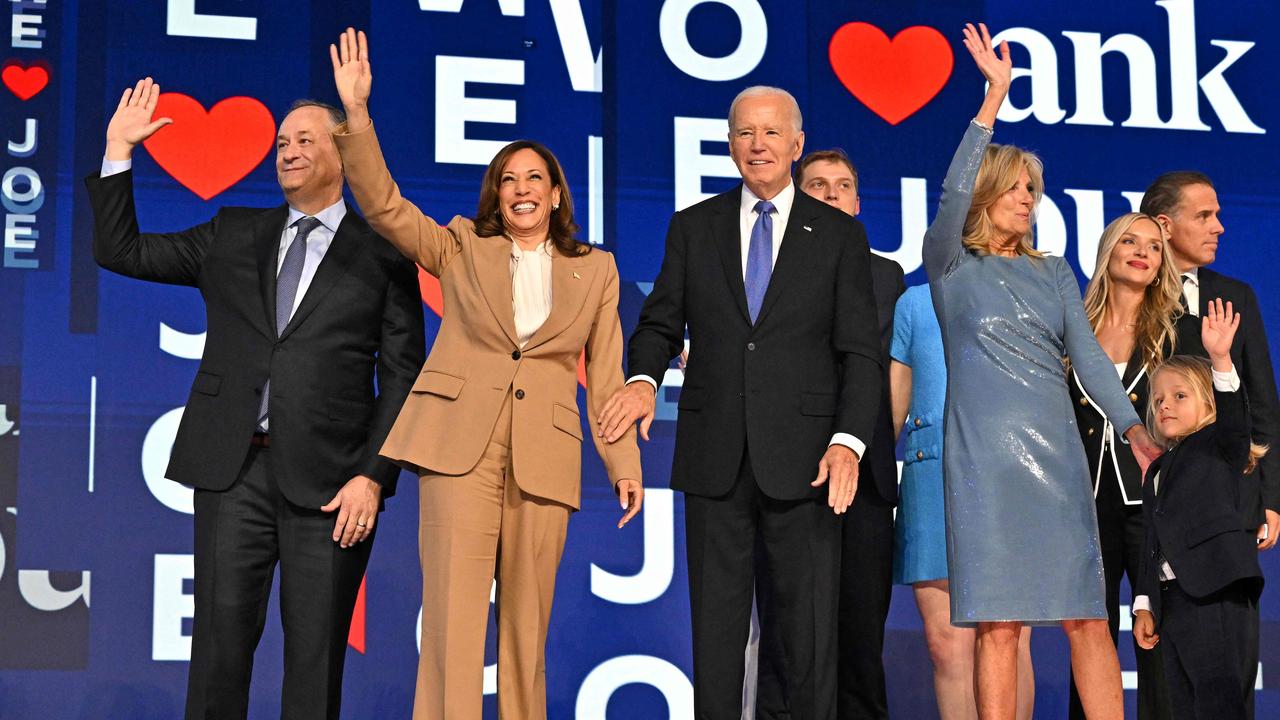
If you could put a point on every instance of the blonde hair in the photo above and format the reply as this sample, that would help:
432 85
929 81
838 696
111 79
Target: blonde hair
1160 306
1001 166
1198 373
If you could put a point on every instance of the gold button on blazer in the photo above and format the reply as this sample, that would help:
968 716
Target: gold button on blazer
473 366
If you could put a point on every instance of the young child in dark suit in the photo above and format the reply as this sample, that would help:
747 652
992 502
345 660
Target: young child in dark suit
1200 580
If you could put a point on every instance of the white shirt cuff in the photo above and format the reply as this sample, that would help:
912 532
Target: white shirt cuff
1226 381
857 446
114 167
645 378
1142 602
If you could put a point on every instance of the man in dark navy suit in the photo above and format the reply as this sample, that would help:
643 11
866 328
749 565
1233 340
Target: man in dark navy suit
780 400
280 436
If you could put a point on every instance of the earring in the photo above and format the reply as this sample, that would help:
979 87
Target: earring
1156 283
555 207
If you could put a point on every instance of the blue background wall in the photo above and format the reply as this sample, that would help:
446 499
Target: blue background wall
94 544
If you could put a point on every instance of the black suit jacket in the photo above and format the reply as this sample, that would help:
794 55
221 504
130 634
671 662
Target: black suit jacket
1110 459
361 313
809 367
878 470
1193 521
1252 357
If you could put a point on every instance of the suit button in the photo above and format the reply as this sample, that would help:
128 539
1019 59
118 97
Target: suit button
1090 431
1133 397
918 422
515 354
1084 401
919 454
519 394
751 346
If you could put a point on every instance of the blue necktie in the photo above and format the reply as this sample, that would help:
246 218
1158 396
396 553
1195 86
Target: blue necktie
287 290
759 259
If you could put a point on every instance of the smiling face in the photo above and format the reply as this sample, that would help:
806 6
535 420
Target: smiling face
1137 255
1010 214
831 182
1177 408
308 166
526 196
764 141
1194 227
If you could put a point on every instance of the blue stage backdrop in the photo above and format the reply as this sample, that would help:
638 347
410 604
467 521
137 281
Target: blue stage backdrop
95 545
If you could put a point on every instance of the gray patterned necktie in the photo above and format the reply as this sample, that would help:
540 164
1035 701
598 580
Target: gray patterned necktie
287 291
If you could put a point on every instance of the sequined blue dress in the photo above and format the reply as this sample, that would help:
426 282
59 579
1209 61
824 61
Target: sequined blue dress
1022 534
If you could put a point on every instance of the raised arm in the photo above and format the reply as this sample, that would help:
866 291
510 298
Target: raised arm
1231 427
118 244
943 247
414 234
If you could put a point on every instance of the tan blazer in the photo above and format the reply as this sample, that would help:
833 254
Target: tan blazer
476 360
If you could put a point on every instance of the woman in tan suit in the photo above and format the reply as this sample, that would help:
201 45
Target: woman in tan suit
492 424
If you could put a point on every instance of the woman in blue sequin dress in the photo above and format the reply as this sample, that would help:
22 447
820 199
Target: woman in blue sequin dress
1022 537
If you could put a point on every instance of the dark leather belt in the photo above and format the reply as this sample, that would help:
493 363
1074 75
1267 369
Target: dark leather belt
260 440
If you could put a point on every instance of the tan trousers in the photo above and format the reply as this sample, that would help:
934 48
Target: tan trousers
469 526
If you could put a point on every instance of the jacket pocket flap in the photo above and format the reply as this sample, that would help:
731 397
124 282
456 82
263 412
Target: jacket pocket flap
566 419
1213 528
438 383
206 383
822 404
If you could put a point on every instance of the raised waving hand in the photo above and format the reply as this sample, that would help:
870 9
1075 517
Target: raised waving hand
997 68
1217 330
131 124
352 76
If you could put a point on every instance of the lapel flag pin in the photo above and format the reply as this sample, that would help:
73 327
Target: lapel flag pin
807 228
576 276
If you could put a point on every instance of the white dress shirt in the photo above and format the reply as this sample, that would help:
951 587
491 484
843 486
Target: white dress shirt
1222 382
1191 290
530 288
318 241
747 217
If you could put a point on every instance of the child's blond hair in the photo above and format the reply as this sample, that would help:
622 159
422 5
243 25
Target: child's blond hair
1198 374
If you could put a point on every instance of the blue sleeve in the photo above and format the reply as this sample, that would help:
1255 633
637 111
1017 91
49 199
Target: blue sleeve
903 320
943 245
1091 364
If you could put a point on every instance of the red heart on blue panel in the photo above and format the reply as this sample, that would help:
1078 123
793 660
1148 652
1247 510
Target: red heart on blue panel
893 78
24 82
209 151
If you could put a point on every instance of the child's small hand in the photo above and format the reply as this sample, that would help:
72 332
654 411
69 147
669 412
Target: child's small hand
1144 629
1217 330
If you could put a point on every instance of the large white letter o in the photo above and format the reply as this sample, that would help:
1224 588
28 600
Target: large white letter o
751 44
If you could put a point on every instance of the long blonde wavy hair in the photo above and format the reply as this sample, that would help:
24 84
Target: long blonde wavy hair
1198 373
1161 304
1001 166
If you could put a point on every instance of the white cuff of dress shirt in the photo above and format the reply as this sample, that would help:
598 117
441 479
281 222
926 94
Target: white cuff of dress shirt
645 378
114 167
857 446
1142 602
1226 381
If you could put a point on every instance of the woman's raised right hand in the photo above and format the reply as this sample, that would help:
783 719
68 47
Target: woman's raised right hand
997 68
352 76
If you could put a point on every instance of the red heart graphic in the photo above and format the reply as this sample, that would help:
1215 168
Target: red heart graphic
209 152
26 83
894 78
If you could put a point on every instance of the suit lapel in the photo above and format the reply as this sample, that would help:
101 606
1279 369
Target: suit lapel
266 238
337 259
570 281
788 268
728 239
493 276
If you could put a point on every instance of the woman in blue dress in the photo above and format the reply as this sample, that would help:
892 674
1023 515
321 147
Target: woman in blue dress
918 390
1022 537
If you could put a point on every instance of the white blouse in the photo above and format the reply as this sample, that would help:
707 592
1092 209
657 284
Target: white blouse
530 288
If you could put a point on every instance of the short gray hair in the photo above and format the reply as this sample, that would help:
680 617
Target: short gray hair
336 116
766 91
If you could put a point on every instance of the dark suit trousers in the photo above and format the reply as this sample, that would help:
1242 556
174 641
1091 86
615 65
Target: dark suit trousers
1121 532
799 571
1210 652
240 535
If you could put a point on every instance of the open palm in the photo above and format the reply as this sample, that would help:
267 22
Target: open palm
351 72
132 123
1218 328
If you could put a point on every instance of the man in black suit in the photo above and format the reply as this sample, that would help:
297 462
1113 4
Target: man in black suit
1185 204
281 432
781 396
